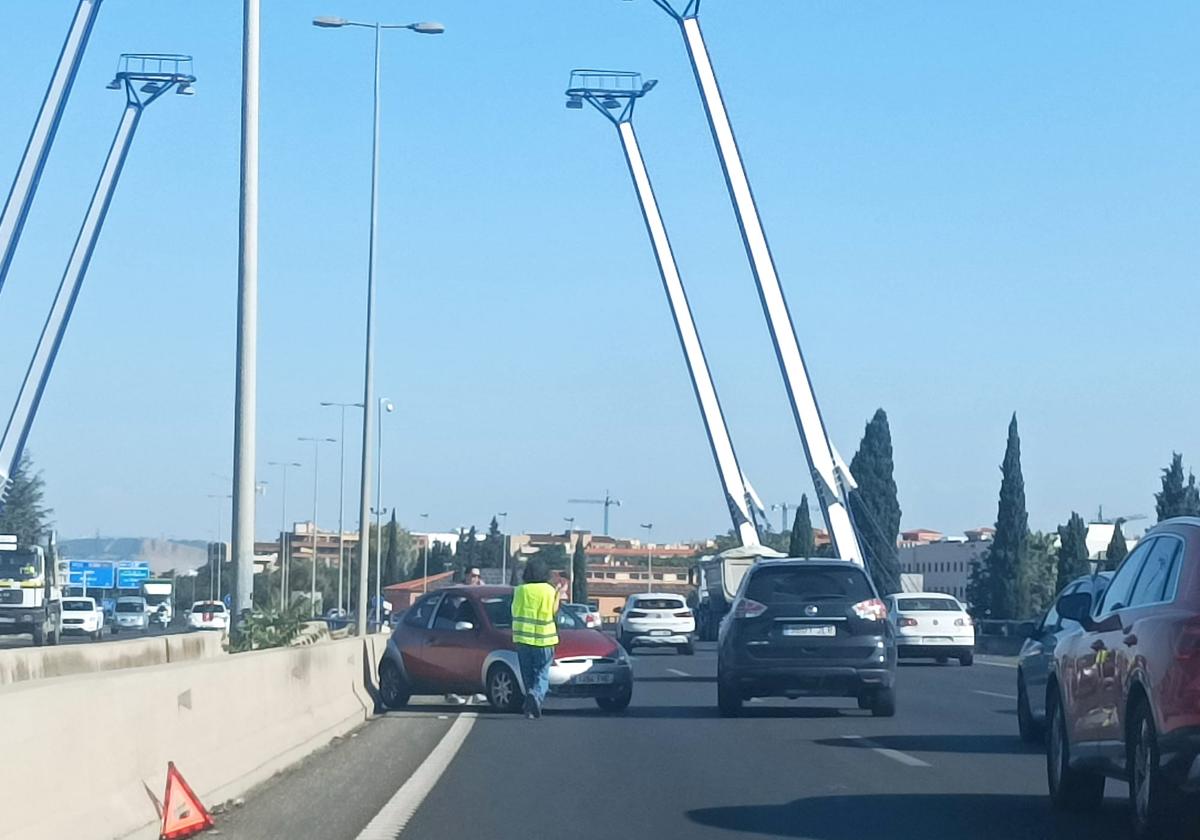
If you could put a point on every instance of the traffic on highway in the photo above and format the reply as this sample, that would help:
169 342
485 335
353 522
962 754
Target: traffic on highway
980 213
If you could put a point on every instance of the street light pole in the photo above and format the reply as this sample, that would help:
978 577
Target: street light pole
217 578
284 534
649 558
342 495
503 548
245 402
364 525
388 406
316 442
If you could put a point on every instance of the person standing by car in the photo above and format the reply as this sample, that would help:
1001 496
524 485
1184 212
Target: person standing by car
473 577
535 632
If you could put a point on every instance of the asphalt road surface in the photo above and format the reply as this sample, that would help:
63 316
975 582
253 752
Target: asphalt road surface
949 765
24 640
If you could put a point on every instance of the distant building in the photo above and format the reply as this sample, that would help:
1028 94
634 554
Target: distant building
920 536
945 565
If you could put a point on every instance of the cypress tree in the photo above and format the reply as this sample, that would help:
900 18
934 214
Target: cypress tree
391 560
1177 498
1072 550
1116 551
879 507
579 584
1000 583
802 543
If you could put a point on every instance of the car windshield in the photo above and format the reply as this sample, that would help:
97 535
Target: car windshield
130 607
19 565
928 605
790 585
78 606
658 604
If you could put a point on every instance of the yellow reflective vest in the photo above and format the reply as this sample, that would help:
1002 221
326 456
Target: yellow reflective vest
534 608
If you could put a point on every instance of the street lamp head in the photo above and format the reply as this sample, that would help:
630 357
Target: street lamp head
327 22
388 405
427 28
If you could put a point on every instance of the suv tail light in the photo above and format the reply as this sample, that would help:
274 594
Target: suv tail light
636 614
1187 646
870 610
907 622
684 614
747 608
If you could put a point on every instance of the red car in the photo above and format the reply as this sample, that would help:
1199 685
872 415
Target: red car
459 641
1123 696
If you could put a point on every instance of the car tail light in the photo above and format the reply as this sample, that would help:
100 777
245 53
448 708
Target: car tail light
964 622
907 622
871 610
1187 646
684 614
636 614
747 608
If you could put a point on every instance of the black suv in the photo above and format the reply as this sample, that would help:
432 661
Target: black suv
807 628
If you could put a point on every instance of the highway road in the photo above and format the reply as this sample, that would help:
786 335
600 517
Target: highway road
949 765
26 641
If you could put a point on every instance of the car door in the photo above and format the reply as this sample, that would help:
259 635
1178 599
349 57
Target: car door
412 639
1037 653
455 651
1093 714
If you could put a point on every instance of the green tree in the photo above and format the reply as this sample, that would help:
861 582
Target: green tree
996 585
467 554
440 557
878 504
23 512
1072 550
555 556
1116 551
1041 574
802 542
579 583
1177 498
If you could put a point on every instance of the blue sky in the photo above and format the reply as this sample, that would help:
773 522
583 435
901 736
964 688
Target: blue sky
974 210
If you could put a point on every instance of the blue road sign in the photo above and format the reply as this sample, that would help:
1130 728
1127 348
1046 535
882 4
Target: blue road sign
130 575
98 575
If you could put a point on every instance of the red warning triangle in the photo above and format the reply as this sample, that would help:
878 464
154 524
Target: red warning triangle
183 815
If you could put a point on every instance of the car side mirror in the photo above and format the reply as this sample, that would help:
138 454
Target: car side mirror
463 625
1076 607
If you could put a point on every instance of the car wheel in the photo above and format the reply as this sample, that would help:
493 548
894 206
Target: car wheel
729 699
942 660
503 691
618 703
687 650
39 635
883 703
864 700
96 636
393 688
1153 799
967 659
1030 729
1070 789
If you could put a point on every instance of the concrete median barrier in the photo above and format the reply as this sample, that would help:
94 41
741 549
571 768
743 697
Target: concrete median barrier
23 664
228 723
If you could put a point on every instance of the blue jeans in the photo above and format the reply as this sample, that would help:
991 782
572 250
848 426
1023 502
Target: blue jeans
535 670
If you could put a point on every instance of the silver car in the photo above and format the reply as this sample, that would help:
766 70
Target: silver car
1037 653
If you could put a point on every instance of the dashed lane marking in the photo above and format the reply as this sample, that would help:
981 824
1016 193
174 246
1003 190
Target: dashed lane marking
994 694
678 673
394 816
995 664
894 755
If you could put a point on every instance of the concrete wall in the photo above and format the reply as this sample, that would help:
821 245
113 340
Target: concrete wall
228 723
21 664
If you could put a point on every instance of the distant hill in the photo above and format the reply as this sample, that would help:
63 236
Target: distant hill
163 555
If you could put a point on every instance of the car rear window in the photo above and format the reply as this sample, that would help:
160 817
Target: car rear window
78 606
789 585
928 605
130 607
208 608
659 604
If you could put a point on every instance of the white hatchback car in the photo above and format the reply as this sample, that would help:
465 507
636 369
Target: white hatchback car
208 615
931 625
82 615
659 620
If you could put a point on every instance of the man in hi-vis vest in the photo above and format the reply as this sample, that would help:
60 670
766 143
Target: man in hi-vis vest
535 632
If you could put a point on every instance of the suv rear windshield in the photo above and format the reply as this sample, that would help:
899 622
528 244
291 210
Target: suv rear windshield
927 605
658 604
790 585
208 608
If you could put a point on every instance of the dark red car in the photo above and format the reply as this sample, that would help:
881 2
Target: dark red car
459 641
1123 696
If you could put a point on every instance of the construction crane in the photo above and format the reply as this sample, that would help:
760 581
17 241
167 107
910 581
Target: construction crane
1113 520
608 501
784 507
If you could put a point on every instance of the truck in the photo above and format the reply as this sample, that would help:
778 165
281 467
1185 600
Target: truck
160 600
717 578
30 592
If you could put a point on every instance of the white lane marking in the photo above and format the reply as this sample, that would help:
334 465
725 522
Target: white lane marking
994 694
995 664
678 673
894 755
394 816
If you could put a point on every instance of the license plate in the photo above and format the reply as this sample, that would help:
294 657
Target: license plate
593 679
660 632
809 630
937 640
